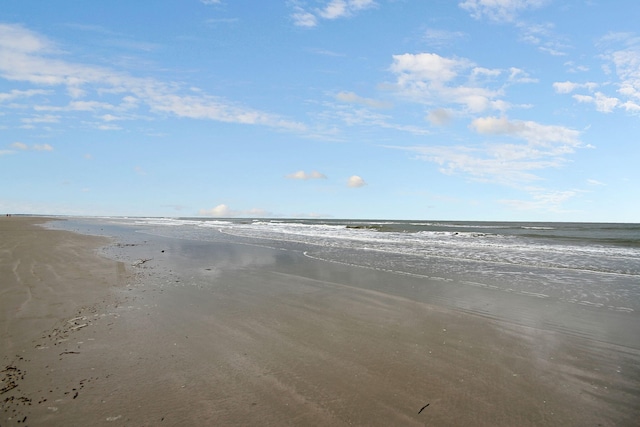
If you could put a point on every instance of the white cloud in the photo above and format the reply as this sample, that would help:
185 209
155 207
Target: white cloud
35 147
440 116
341 8
218 211
543 37
210 1
565 87
568 87
16 94
603 103
19 39
302 18
573 68
302 175
364 117
111 118
543 200
353 98
224 211
534 133
42 147
516 75
355 182
20 146
499 10
622 51
627 65
595 182
46 118
333 9
107 127
77 106
427 67
631 107
26 57
509 164
442 38
429 78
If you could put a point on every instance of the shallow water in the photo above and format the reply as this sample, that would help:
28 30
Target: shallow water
595 265
581 279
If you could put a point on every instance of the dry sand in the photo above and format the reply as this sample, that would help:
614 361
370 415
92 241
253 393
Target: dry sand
272 338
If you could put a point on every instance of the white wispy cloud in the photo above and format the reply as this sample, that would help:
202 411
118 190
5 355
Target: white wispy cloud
17 94
499 10
35 147
28 57
20 146
304 176
603 103
305 16
41 118
568 86
534 133
541 35
78 106
572 67
544 38
506 163
622 61
543 200
442 38
356 181
627 67
517 75
366 118
350 97
42 147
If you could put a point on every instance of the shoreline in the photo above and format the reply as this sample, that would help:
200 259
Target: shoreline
54 285
211 333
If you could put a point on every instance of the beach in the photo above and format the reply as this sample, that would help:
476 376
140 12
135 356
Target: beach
139 329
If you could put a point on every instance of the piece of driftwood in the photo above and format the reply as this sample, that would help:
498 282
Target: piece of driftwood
423 408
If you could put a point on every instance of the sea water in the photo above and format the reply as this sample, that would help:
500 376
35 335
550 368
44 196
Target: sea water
589 264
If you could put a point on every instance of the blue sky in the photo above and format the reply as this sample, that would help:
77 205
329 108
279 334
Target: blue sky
390 109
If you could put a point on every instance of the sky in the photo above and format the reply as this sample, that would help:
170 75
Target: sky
490 110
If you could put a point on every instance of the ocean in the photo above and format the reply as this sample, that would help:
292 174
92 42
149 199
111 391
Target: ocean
589 264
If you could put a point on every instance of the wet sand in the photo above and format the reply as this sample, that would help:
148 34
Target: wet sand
191 333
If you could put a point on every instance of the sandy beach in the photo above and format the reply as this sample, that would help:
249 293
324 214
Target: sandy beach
171 332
